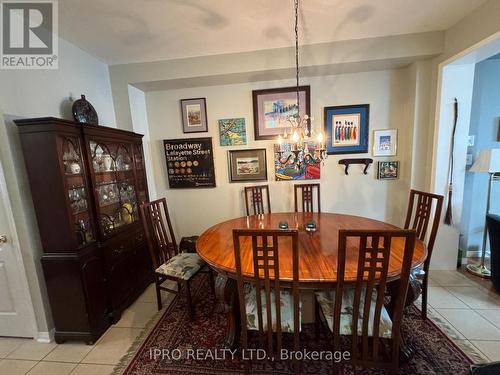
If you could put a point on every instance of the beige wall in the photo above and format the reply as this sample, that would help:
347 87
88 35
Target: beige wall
194 210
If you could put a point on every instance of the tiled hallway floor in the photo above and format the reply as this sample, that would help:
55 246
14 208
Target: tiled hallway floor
466 307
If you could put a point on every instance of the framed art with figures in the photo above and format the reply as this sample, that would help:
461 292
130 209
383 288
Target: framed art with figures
346 129
273 107
194 115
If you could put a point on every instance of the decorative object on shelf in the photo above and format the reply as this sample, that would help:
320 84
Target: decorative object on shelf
194 115
487 162
190 163
127 216
84 112
232 132
346 129
388 170
294 163
347 162
247 165
448 216
385 142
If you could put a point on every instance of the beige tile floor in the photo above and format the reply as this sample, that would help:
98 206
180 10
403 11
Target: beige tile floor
467 308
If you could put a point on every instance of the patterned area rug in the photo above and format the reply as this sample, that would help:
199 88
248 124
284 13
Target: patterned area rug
176 346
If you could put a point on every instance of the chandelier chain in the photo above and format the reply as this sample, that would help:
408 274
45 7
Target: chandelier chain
297 53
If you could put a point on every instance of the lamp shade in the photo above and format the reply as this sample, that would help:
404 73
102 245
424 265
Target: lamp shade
488 161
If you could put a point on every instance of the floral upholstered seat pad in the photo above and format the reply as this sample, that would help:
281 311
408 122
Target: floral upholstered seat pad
182 266
326 300
286 303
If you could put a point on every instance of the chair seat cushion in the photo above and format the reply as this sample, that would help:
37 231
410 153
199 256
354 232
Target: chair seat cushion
326 300
182 266
286 302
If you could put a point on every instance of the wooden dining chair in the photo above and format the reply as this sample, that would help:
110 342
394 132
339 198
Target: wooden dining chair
418 217
168 262
306 193
265 305
375 332
255 198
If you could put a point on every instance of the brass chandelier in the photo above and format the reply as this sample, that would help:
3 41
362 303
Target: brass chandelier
306 148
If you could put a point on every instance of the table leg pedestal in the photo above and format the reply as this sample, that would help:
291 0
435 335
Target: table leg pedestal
414 291
226 294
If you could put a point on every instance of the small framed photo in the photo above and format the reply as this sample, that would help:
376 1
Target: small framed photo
272 109
194 115
346 129
388 170
385 142
232 132
247 165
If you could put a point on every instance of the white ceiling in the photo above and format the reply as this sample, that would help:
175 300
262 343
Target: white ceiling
124 31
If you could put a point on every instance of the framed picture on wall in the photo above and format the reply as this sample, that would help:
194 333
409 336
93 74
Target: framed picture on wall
385 142
273 107
190 163
346 129
388 170
247 165
194 115
232 132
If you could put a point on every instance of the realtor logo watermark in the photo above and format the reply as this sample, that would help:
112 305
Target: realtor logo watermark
29 34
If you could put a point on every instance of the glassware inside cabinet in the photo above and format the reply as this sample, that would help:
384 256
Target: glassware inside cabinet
84 232
124 160
77 199
108 194
71 156
102 159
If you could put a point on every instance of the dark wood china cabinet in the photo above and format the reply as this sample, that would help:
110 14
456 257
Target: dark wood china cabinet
87 182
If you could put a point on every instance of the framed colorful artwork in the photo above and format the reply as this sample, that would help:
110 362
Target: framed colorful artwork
194 115
388 170
247 165
385 142
288 165
273 107
346 129
232 132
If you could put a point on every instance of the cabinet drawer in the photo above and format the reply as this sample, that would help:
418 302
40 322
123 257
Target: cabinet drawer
116 248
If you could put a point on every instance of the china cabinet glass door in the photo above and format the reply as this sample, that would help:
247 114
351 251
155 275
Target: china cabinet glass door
114 177
76 188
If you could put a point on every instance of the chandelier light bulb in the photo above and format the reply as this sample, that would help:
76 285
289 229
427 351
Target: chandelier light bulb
320 138
295 136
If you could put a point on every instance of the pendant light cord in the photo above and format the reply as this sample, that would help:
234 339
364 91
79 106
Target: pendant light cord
297 53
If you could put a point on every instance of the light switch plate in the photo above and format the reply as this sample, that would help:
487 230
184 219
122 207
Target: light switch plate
468 161
470 141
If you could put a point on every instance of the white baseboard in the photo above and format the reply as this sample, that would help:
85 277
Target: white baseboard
45 337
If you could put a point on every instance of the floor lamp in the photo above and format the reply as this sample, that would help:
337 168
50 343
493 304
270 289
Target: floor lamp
487 162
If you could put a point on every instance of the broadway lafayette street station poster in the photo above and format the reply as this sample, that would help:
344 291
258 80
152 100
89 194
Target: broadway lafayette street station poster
190 163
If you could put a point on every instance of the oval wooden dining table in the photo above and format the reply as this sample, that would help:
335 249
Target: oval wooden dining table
317 252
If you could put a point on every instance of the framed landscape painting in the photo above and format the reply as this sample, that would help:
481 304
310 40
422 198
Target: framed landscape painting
273 107
232 132
247 165
346 129
194 115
